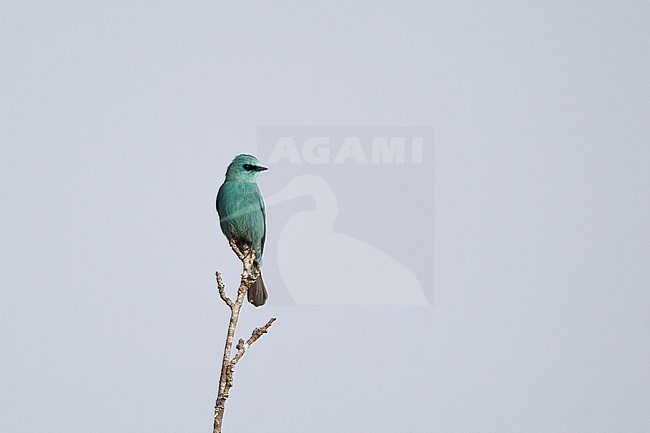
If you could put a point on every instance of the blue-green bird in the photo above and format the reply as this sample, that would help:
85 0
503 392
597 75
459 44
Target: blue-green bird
242 215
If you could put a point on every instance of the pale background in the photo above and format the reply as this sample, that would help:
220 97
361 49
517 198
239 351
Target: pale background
117 120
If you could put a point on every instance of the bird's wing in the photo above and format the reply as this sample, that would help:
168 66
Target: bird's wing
263 209
219 198
222 210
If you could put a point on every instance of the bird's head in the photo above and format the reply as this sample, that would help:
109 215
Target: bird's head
244 168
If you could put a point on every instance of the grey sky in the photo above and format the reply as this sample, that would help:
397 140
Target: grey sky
119 119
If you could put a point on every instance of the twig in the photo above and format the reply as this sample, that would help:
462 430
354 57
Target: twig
222 291
235 248
248 277
243 346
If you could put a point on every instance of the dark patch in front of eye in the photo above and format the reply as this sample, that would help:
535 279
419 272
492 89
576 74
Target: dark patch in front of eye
248 167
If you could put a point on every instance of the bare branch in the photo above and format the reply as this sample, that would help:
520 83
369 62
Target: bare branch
249 274
222 291
235 248
243 346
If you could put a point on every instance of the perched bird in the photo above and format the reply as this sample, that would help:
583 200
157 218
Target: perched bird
242 215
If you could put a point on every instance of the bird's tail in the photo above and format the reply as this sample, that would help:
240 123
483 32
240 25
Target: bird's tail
257 292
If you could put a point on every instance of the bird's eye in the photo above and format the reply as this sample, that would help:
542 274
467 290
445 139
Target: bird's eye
248 167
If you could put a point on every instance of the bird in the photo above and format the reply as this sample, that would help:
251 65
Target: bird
242 215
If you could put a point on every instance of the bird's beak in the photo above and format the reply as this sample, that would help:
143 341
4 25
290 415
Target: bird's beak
259 168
